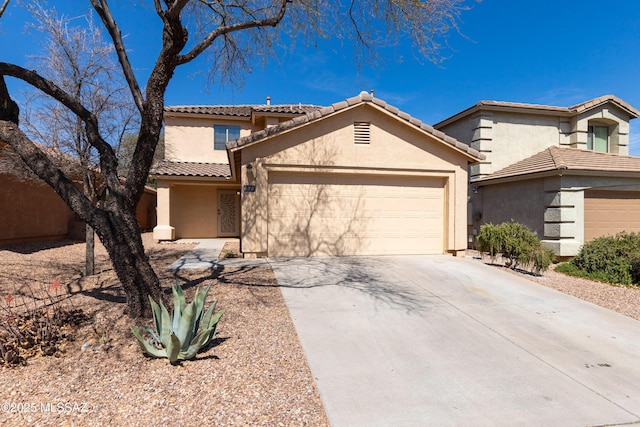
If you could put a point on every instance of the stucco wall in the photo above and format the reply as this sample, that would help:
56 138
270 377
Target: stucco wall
194 211
190 139
507 137
31 211
606 115
521 201
328 146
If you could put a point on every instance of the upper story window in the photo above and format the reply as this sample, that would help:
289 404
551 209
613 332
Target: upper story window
598 138
223 134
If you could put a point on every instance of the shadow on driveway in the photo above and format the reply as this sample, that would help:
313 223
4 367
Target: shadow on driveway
437 340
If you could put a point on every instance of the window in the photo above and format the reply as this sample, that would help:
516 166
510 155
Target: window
361 133
598 138
223 134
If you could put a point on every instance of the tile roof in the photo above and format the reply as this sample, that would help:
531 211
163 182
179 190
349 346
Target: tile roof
579 108
242 110
191 169
342 105
567 159
574 109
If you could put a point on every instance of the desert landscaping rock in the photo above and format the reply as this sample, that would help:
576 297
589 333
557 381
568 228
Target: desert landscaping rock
254 374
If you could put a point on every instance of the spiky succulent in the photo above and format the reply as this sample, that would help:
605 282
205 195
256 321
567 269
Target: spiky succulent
176 337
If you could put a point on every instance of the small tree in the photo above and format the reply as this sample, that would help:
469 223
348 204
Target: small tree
78 58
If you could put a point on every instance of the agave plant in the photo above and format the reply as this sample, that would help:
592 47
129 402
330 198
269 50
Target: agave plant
176 337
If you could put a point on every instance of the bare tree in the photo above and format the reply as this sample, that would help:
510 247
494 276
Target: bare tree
231 32
75 55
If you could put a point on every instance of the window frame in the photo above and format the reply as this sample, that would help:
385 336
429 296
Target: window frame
592 135
218 144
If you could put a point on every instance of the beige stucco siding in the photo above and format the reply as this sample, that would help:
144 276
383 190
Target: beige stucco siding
506 137
189 209
396 151
193 211
607 115
190 139
31 211
521 201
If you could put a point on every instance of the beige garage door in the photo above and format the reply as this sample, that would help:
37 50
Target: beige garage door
336 214
610 212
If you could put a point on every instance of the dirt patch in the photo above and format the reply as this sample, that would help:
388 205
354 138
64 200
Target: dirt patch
255 373
231 250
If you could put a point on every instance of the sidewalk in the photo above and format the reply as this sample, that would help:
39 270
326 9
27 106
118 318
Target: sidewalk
206 256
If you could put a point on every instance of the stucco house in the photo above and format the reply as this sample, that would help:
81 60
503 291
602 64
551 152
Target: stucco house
565 172
359 177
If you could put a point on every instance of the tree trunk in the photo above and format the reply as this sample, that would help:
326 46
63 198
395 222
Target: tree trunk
122 239
89 266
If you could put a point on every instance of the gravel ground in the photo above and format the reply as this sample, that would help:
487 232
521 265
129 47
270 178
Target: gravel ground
254 374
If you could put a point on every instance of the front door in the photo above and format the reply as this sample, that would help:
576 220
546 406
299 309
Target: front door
228 213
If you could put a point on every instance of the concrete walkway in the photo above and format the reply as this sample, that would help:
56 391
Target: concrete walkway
206 256
441 341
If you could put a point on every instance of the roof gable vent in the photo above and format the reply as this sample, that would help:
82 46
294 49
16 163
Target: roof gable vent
362 132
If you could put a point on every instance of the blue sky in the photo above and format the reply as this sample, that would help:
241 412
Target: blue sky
548 52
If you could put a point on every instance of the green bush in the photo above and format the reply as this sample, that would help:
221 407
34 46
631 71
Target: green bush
611 259
517 245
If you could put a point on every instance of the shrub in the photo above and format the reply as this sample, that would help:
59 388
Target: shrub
518 245
32 325
611 259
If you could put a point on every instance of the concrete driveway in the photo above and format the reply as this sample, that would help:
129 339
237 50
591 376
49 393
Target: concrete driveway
437 341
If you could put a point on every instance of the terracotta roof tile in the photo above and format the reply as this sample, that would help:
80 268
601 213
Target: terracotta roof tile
217 110
548 109
241 110
194 169
363 97
571 159
602 100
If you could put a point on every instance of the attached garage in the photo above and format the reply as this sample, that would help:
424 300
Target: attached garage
349 214
357 178
607 213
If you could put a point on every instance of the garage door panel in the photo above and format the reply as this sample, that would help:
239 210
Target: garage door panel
607 213
334 214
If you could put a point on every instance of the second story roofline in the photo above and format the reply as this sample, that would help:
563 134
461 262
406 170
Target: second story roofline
539 109
239 112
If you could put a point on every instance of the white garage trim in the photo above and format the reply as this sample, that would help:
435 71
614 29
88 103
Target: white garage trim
355 214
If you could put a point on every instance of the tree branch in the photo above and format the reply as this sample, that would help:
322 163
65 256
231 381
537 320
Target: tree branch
108 160
46 86
8 108
226 29
104 13
44 168
5 3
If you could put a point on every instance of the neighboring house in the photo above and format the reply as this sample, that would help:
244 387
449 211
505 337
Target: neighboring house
31 211
358 177
565 172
